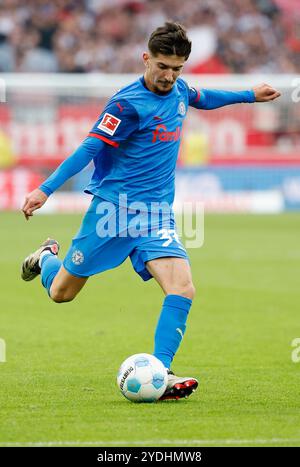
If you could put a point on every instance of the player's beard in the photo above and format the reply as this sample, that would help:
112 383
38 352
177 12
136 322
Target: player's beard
163 87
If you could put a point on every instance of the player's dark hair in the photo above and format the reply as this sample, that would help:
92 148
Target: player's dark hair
170 39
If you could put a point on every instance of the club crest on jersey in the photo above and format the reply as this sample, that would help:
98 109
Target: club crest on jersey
181 108
77 257
109 124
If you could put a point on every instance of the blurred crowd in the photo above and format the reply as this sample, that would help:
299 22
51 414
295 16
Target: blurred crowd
78 36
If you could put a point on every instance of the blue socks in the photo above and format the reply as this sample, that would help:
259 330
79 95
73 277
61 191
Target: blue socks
171 325
170 328
50 265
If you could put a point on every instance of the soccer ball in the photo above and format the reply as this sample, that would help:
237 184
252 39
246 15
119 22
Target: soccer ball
142 378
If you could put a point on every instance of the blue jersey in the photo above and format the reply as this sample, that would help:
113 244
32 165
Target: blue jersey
143 132
135 142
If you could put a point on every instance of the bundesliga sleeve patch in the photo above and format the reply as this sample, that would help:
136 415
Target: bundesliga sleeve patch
109 124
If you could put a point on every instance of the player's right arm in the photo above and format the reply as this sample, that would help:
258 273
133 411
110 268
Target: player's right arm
80 158
118 120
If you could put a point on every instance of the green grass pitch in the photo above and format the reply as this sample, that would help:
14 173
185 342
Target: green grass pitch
58 384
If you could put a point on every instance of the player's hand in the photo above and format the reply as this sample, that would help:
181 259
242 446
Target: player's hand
265 93
33 201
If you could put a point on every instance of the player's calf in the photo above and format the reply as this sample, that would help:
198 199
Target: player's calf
60 295
65 286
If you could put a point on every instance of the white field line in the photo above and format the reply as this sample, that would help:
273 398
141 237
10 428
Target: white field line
156 442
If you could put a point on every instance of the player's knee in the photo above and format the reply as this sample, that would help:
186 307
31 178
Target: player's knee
61 295
186 289
189 291
60 298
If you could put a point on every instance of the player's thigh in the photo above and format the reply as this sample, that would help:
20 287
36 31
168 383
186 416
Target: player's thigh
174 275
66 286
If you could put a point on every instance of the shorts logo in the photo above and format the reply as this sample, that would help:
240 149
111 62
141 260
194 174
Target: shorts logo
169 235
181 108
109 124
77 257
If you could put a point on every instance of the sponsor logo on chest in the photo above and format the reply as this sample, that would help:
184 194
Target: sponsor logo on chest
161 133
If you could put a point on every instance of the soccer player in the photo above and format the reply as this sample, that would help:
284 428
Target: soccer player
134 147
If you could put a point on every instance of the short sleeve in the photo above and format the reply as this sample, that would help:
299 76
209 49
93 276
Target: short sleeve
116 123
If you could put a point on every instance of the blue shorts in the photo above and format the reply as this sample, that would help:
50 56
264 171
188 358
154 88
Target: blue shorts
110 233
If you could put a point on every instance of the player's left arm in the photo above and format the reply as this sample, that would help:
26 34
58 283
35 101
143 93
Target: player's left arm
265 93
209 99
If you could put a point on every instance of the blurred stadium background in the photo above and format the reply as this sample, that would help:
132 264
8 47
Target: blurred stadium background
61 61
